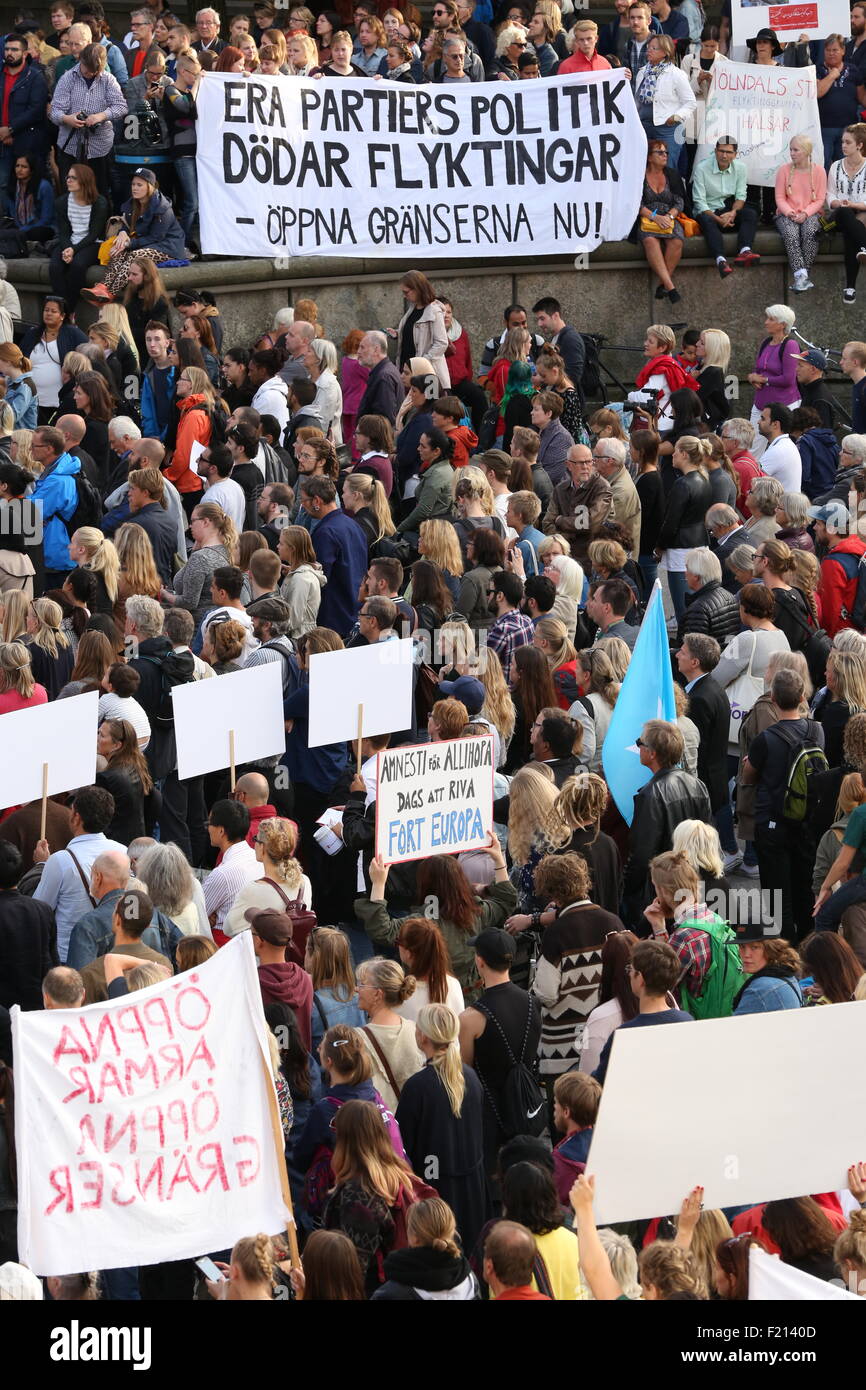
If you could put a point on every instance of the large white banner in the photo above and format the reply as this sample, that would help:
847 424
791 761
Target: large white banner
773 1281
436 798
762 108
817 18
145 1126
297 167
721 1103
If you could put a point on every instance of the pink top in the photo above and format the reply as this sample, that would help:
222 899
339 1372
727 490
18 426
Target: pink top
578 62
808 189
353 379
10 699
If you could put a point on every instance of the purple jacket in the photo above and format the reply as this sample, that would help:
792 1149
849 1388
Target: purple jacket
777 364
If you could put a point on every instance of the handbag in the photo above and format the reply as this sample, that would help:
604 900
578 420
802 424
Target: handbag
649 225
689 225
742 694
386 1067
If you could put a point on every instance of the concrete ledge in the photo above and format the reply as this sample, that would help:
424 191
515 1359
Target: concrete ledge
613 293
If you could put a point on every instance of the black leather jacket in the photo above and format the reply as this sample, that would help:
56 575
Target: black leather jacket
683 526
667 798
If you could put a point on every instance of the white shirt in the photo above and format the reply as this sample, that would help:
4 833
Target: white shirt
231 497
272 398
60 885
113 706
781 460
237 868
411 1007
233 615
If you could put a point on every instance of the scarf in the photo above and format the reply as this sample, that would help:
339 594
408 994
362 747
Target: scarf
668 367
455 330
649 81
24 203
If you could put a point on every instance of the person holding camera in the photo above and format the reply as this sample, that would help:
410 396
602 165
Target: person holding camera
141 137
87 99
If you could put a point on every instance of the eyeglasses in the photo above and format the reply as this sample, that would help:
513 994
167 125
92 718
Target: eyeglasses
639 743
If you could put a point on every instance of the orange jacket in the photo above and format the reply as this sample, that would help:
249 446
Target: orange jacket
193 425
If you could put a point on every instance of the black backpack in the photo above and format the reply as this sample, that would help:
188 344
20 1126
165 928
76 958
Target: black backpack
88 506
591 384
218 425
177 668
522 1108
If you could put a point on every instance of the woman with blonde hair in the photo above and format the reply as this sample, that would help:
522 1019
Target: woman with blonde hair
498 707
49 647
20 389
15 605
116 316
801 189
364 498
515 347
438 543
576 829
138 572
599 681
440 1112
20 451
700 844
389 1038
249 1275
845 694
683 527
283 882
18 689
607 424
713 351
567 576
551 637
304 579
433 1265
328 962
215 539
552 545
849 1251
90 549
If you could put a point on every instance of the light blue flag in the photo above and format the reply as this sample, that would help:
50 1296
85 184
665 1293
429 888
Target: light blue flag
646 693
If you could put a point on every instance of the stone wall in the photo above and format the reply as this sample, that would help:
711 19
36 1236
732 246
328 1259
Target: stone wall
613 294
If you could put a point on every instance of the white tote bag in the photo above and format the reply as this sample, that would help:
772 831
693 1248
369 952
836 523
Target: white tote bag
742 694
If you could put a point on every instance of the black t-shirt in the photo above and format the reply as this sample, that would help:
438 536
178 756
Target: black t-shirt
407 338
770 754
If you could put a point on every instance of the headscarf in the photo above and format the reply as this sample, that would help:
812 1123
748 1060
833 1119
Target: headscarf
519 383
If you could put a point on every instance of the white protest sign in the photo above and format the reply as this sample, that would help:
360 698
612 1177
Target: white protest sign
378 677
817 18
297 167
145 1127
771 1281
762 108
721 1103
247 703
61 734
434 798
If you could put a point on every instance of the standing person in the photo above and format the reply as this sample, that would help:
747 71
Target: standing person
329 963
28 942
568 973
775 374
853 364
341 549
86 100
664 96
713 353
655 970
389 1038
837 588
801 191
783 843
440 1115
56 494
47 348
23 99
180 114
683 527
510 1260
432 1267
846 199
18 688
214 538
564 337
421 331
719 193
384 391
65 884
497 1033
710 711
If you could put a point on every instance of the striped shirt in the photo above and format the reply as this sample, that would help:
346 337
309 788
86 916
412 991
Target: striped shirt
236 869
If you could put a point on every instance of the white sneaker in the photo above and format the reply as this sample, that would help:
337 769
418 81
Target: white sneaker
750 870
732 862
849 296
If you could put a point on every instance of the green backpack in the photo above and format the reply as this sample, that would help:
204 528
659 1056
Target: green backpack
806 762
724 978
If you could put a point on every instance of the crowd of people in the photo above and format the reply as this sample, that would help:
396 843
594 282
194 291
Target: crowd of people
175 507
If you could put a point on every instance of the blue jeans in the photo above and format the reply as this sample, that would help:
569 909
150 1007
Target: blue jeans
649 569
187 187
832 138
846 895
677 586
668 134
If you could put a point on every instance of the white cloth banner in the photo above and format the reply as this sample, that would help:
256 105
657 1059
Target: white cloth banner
762 108
721 1103
298 167
436 798
772 1281
817 18
145 1126
248 704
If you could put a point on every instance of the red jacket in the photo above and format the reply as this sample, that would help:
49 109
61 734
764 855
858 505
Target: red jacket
458 355
746 469
463 439
838 584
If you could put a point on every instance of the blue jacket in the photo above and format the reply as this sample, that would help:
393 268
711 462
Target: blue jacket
116 63
764 994
157 227
320 767
819 455
22 399
92 935
57 496
341 550
68 339
150 426
318 1130
27 118
43 208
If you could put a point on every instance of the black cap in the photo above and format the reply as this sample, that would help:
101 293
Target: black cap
495 947
771 37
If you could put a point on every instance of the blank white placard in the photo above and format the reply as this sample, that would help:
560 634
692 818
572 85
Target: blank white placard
378 677
754 1108
61 734
248 702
